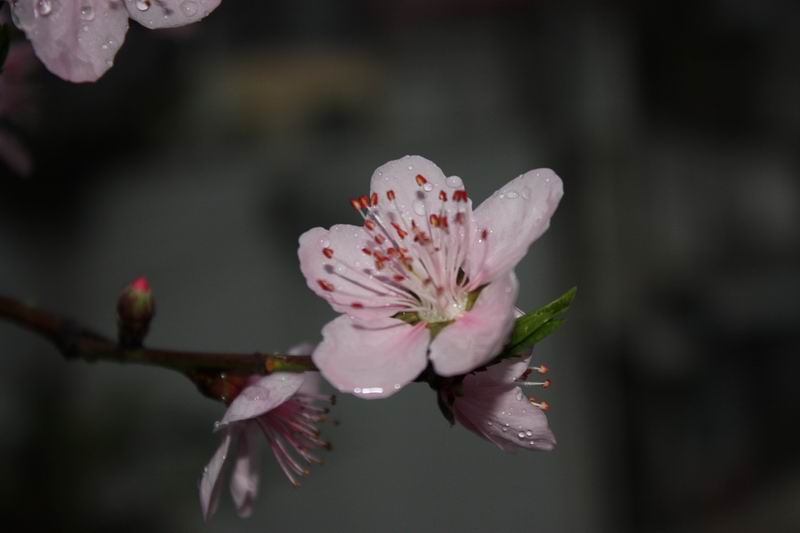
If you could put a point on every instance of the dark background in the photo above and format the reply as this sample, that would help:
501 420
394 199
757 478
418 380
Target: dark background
204 153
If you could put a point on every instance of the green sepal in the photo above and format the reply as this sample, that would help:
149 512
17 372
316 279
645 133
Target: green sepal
531 328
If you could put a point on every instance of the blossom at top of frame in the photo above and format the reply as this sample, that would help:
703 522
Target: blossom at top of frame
78 39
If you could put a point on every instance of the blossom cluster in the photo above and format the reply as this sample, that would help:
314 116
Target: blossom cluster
426 291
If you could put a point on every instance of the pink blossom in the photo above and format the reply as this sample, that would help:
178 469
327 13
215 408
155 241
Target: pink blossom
285 408
425 277
78 39
491 404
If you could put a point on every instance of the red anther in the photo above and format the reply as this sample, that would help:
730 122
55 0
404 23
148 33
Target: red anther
370 225
421 180
327 252
546 384
460 196
398 277
541 369
357 305
379 264
356 205
400 233
390 195
326 285
445 223
485 234
543 405
442 196
379 239
459 218
373 200
367 251
364 201
434 220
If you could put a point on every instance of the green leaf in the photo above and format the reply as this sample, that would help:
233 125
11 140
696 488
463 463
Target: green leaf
531 328
5 44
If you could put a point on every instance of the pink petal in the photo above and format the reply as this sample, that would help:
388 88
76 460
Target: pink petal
169 13
504 372
479 334
344 279
210 482
504 416
514 217
76 45
371 360
264 395
244 480
416 185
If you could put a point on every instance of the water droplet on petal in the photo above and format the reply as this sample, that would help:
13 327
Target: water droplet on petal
189 8
454 182
521 434
419 208
43 8
143 5
427 187
512 194
87 12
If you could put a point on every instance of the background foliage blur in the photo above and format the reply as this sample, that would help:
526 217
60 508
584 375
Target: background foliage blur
204 153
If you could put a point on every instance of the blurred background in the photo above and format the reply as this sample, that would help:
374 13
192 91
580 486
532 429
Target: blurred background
203 154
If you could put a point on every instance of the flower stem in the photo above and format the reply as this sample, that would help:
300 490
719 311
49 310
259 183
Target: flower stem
76 341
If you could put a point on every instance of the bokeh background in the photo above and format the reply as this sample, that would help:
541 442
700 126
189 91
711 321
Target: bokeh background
204 153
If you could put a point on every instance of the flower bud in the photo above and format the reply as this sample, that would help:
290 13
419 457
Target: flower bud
135 309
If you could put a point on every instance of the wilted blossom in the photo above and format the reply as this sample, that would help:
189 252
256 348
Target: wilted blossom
425 278
491 404
282 408
78 39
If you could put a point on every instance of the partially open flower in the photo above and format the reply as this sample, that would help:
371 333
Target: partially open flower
491 404
285 409
425 277
78 39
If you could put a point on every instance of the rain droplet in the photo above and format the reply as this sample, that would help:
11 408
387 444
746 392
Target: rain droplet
529 433
189 8
526 194
419 208
454 182
44 7
489 424
519 394
143 5
87 12
396 386
512 194
410 167
504 429
357 390
427 187
521 434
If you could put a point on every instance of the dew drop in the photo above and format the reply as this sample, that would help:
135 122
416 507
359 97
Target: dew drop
419 208
87 12
143 5
529 433
396 386
504 429
357 390
512 194
427 187
489 424
521 434
189 8
410 167
525 194
43 8
454 182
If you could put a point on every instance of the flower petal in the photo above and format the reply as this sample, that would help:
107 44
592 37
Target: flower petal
374 359
169 13
514 217
504 372
416 185
264 395
210 482
504 416
75 44
346 277
479 334
244 480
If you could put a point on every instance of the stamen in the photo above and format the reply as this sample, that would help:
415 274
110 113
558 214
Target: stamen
373 200
327 252
542 369
370 225
543 384
442 196
390 195
364 201
543 405
421 180
326 285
